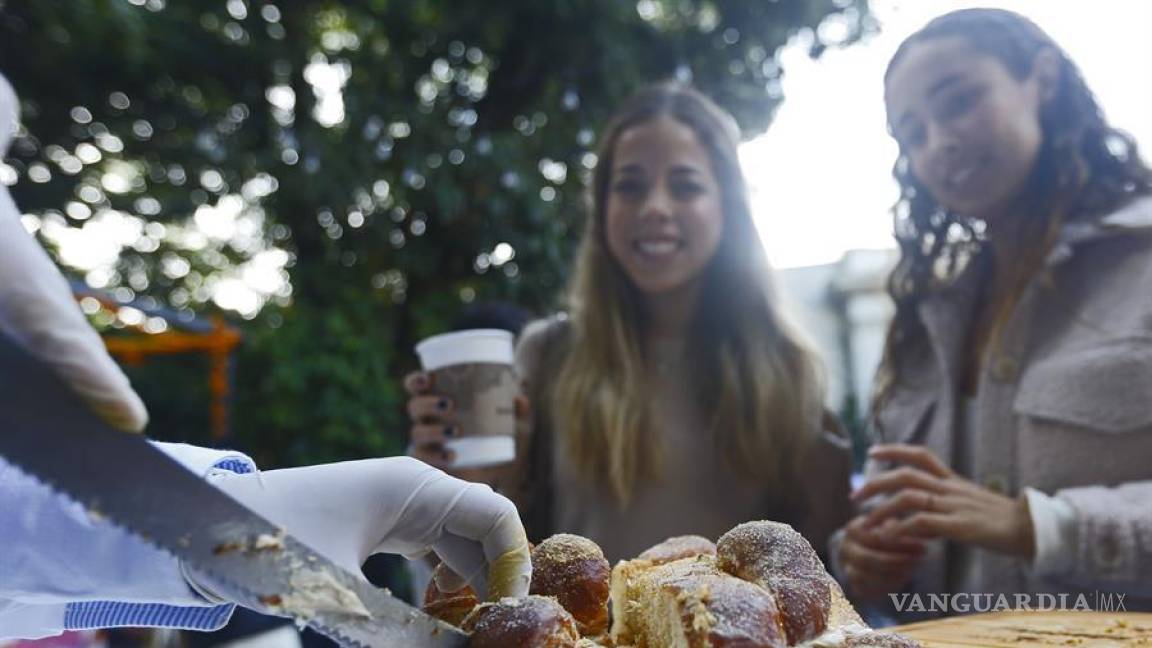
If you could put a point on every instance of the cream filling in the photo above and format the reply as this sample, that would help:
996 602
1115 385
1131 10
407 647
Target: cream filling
317 592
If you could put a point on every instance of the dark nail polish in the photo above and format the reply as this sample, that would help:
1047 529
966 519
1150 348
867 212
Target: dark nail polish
442 404
450 431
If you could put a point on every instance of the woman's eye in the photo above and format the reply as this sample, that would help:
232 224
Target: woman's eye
686 189
958 103
628 187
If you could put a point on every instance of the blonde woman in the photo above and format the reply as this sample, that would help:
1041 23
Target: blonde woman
673 398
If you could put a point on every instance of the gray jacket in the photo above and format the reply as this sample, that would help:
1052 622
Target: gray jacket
1063 406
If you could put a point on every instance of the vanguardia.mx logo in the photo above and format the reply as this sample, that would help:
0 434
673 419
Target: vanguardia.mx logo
968 602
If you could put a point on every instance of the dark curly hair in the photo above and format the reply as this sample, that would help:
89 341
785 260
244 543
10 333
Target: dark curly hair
1085 169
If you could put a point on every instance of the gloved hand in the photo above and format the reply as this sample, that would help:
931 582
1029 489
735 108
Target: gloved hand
37 310
349 511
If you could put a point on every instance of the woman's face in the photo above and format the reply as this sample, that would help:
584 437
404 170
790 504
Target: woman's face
970 130
664 215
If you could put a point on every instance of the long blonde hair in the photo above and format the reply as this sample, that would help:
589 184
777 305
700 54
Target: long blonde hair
759 386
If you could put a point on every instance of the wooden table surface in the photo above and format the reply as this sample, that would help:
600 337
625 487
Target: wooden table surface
1035 630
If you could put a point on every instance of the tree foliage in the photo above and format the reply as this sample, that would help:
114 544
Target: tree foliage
387 147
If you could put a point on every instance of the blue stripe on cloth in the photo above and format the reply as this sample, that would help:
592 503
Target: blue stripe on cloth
114 614
236 465
89 615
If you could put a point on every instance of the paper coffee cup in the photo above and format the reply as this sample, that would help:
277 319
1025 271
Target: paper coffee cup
474 368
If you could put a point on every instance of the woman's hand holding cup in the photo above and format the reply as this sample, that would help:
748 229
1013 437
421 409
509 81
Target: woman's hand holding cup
467 415
433 421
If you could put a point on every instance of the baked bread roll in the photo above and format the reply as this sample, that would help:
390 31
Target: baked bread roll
760 586
450 607
676 548
574 571
690 603
779 559
679 547
530 622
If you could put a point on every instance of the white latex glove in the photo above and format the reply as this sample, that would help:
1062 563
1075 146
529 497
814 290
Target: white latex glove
37 310
349 511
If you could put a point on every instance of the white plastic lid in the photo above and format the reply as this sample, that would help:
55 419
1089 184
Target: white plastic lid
476 452
460 347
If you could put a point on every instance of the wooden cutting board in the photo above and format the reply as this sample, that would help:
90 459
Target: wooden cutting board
1034 629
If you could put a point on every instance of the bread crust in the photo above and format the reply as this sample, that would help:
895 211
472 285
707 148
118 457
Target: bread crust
574 571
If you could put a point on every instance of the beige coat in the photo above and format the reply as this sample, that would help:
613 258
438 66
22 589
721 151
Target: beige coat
1064 405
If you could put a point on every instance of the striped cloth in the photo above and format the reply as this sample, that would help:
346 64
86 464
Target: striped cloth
88 615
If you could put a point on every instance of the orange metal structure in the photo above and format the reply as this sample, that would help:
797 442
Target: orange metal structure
218 340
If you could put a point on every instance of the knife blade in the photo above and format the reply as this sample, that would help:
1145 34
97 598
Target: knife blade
47 432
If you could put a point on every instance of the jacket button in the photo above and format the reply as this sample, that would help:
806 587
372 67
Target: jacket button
1004 369
996 484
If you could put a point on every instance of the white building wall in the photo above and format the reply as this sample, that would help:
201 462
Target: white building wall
843 308
805 296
